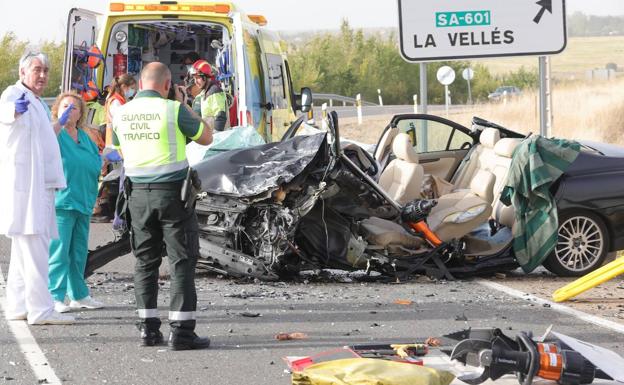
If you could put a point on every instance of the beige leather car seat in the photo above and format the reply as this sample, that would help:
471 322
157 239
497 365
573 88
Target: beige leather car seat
458 213
481 158
402 178
384 148
385 233
504 151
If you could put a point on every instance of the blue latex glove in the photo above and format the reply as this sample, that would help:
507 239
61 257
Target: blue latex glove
113 156
65 115
21 104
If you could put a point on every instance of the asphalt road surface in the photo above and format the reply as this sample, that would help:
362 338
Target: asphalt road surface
242 319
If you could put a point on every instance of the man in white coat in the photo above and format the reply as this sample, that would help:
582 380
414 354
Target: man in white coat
30 172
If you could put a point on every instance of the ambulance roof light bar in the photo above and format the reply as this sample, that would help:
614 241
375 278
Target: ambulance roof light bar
171 6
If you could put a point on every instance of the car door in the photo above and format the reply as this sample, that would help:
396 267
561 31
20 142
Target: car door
440 143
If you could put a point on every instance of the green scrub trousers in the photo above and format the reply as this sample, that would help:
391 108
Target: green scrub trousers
74 204
68 256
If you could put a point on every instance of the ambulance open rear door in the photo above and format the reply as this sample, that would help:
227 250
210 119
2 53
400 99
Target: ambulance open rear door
80 53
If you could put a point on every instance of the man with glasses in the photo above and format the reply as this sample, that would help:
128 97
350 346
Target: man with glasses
31 171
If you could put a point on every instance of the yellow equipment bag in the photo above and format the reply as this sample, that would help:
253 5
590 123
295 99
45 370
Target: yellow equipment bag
370 371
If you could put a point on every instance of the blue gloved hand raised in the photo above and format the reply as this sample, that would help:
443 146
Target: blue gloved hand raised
113 156
21 104
65 115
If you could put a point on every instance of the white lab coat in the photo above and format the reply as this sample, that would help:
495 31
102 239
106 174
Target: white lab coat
30 164
30 170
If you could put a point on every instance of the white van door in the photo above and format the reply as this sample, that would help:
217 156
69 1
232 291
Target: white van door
82 30
241 75
276 89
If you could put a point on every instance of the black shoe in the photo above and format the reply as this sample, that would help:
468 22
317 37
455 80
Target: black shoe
151 337
187 341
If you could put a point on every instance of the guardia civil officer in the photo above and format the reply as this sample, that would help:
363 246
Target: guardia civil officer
151 132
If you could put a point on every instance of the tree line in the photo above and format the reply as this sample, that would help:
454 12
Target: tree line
348 63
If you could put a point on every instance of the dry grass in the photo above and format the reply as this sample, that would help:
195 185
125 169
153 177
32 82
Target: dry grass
581 111
581 54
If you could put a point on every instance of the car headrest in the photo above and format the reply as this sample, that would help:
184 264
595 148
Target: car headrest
506 146
489 137
483 185
403 148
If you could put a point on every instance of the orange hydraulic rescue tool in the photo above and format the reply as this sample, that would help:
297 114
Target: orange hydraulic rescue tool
499 355
415 213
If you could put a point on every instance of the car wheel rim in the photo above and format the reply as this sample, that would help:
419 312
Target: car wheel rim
580 243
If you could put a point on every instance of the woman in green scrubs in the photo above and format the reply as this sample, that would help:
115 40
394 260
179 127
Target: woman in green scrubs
74 205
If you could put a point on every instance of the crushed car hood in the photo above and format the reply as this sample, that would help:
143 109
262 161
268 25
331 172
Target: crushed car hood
255 170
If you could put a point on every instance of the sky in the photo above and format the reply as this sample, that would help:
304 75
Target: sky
37 20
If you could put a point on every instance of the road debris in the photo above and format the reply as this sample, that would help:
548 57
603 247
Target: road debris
403 302
290 336
250 314
433 342
461 317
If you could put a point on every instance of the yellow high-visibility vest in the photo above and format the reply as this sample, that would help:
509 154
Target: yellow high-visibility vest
149 137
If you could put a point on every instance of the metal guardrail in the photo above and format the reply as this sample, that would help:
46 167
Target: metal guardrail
339 98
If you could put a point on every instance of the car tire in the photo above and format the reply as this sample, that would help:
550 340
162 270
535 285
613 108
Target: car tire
582 245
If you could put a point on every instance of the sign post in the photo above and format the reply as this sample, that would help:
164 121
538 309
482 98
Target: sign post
423 88
358 105
545 99
468 74
324 116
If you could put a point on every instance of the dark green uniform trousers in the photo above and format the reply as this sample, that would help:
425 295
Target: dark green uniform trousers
162 226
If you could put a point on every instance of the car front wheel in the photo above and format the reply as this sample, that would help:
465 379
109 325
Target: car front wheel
582 245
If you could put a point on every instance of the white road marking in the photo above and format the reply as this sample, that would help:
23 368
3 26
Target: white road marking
28 345
605 323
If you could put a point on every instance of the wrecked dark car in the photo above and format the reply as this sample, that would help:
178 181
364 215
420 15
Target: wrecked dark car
310 201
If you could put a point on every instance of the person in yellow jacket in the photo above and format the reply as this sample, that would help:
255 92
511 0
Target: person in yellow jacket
211 101
151 132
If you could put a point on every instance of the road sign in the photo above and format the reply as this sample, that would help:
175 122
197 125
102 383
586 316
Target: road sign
445 75
433 30
467 74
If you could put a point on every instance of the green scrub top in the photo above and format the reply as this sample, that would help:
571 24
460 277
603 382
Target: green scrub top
81 165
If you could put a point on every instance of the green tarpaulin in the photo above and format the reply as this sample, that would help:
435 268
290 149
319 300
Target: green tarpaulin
537 162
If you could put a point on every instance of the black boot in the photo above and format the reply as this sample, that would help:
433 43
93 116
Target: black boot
180 339
150 336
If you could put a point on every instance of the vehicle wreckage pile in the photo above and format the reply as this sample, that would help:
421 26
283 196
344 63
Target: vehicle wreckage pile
311 202
270 211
